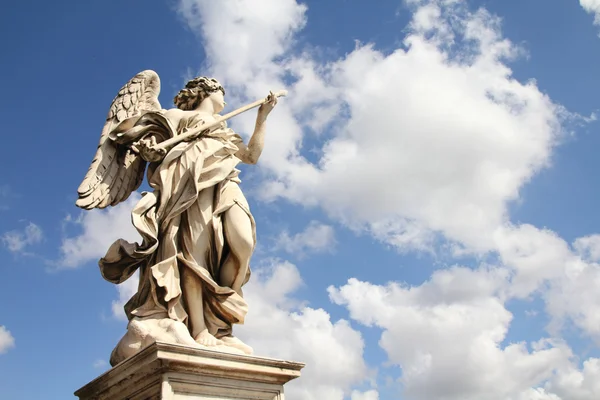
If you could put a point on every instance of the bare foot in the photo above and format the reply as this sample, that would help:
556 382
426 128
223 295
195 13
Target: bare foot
234 342
206 339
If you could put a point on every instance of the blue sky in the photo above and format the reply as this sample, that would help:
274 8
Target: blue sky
426 202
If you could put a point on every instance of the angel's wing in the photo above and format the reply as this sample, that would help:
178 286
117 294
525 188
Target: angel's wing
116 170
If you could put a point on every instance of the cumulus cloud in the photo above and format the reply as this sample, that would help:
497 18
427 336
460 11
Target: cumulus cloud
588 247
535 256
99 229
574 297
537 394
577 384
566 277
368 395
18 241
459 316
447 338
7 341
592 7
316 238
280 326
436 136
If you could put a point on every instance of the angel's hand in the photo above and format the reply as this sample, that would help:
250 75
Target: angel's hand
148 149
265 109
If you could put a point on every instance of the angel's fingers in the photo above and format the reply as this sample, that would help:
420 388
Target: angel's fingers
153 141
135 149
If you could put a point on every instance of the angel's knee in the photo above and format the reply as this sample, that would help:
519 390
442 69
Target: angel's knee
242 246
238 230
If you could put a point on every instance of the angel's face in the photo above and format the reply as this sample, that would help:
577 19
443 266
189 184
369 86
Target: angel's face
218 101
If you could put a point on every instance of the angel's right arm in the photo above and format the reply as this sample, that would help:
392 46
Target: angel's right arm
148 150
249 154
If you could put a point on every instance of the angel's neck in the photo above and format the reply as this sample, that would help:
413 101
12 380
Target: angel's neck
206 107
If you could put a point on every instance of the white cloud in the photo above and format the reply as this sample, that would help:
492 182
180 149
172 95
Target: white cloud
578 384
368 395
18 241
401 233
537 394
588 247
278 326
256 33
436 137
592 7
100 228
565 277
535 255
7 341
574 297
442 143
459 316
316 238
126 290
447 336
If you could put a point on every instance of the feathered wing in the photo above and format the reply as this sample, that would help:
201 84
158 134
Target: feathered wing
116 171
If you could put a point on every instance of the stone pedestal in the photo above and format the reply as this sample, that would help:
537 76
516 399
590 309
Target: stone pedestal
175 372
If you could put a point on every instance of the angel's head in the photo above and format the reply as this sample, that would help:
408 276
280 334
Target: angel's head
198 90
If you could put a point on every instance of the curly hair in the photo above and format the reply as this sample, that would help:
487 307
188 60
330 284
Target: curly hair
195 91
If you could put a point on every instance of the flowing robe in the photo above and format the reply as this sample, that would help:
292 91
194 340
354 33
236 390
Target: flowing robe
181 224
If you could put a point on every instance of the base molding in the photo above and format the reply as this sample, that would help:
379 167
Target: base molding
177 372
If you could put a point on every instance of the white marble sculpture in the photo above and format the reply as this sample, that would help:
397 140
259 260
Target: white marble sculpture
197 230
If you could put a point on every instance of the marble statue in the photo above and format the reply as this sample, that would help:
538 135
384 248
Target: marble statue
198 233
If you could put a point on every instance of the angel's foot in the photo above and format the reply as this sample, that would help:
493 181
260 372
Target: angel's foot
206 339
234 342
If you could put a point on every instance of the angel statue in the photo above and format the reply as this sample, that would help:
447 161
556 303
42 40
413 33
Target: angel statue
197 230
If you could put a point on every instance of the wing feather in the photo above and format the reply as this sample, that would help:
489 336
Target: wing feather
116 171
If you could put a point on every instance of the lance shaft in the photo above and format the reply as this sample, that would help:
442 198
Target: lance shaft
165 145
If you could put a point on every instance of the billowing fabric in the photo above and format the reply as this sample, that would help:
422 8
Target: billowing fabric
181 225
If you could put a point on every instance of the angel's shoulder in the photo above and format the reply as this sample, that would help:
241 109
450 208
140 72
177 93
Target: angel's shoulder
174 114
